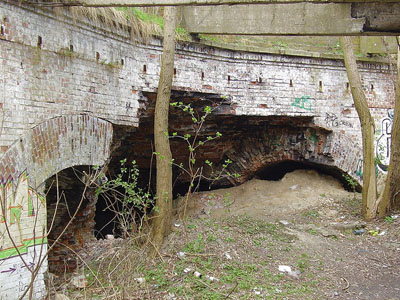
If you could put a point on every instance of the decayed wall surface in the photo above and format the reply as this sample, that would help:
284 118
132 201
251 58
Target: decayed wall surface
65 82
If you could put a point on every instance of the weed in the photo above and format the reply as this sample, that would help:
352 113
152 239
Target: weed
312 231
389 219
303 263
196 246
229 239
312 213
191 226
350 182
211 238
227 199
158 276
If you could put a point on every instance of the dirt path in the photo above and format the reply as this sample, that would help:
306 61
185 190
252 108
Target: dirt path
323 216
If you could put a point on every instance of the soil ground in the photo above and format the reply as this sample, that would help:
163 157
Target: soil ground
235 241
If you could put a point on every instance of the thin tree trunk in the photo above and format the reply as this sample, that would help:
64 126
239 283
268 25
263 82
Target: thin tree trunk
369 200
391 193
163 212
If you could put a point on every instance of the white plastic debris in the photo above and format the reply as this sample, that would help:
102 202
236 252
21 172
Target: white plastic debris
197 274
177 224
181 254
284 269
289 271
257 291
394 217
382 233
187 270
109 237
293 187
284 222
140 280
228 256
212 278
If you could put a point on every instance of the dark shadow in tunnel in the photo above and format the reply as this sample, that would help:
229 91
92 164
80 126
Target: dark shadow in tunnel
66 200
276 171
105 220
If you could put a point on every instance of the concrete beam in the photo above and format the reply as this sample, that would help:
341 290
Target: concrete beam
145 3
295 19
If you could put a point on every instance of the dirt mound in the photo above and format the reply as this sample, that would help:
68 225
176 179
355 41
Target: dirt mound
296 191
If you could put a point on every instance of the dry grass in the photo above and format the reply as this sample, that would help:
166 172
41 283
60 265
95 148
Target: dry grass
123 20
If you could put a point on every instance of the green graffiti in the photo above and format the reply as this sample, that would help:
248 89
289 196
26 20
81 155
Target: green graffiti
23 248
19 212
15 214
303 103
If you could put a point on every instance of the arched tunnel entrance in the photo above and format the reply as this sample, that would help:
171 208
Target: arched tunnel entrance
267 147
77 213
276 171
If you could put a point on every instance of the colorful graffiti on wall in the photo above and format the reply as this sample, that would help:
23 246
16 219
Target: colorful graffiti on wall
22 217
384 142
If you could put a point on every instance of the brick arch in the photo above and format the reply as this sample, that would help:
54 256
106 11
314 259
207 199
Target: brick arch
57 144
315 145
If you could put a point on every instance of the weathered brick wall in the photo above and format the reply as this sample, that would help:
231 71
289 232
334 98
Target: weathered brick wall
50 80
64 82
41 152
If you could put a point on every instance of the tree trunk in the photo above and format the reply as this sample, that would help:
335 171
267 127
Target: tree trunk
391 193
369 200
163 213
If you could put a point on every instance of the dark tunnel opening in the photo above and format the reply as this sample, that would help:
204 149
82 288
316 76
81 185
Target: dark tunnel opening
70 214
124 201
105 221
276 171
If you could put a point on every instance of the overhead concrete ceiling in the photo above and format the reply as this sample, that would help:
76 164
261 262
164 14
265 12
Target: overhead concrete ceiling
273 17
295 19
143 3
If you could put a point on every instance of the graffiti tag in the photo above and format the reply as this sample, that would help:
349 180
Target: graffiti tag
332 120
384 142
10 270
359 169
303 103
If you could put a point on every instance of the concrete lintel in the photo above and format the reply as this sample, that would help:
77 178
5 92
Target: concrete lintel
146 3
295 19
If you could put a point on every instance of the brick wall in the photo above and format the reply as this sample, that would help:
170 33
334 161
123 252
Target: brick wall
51 80
41 152
64 83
